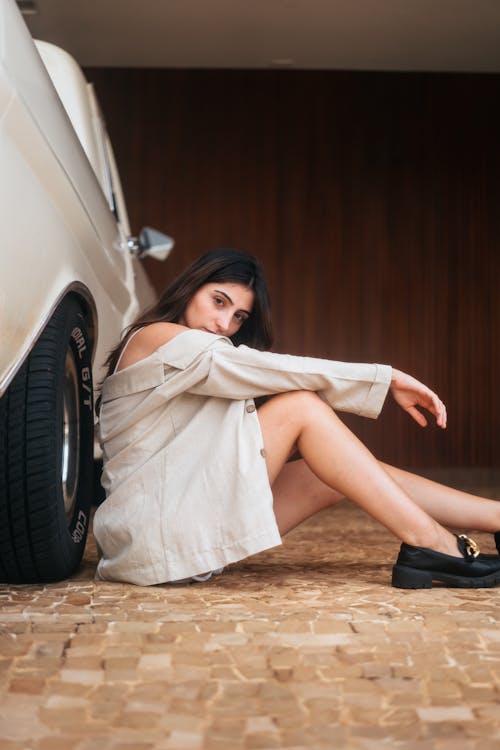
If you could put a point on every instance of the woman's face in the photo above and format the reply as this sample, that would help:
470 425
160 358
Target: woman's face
219 307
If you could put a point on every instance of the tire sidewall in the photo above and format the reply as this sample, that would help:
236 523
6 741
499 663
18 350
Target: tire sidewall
72 535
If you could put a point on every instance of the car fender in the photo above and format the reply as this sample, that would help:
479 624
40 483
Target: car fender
58 234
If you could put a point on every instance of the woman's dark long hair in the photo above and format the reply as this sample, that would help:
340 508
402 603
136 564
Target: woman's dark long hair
223 265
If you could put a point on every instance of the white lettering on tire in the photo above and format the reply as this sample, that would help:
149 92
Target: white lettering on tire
79 339
86 377
80 526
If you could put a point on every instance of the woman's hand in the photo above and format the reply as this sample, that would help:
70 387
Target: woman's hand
410 393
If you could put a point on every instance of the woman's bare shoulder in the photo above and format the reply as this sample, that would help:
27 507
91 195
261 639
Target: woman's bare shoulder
157 334
147 340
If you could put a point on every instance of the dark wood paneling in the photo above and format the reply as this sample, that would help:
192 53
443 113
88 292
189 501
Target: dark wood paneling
374 202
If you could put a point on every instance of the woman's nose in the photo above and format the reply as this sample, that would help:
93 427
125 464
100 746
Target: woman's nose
223 321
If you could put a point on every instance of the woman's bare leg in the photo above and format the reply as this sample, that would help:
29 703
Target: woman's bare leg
448 506
336 456
299 494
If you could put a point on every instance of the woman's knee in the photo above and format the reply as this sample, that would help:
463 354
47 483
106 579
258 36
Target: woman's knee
298 399
306 405
295 406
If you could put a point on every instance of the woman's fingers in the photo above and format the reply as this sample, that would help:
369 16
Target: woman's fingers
436 407
439 410
442 417
417 416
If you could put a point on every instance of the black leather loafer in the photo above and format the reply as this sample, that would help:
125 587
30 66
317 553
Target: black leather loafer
419 568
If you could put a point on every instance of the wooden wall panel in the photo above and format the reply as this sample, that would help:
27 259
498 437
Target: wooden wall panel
374 202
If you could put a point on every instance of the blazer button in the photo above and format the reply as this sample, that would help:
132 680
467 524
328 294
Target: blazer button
250 408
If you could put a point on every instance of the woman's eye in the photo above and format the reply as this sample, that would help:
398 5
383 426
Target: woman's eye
219 301
240 318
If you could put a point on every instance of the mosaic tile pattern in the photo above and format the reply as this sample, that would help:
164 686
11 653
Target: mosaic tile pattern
304 646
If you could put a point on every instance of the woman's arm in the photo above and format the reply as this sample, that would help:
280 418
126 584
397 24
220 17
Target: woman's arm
210 365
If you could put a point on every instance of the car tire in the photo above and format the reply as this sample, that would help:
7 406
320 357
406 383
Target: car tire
46 454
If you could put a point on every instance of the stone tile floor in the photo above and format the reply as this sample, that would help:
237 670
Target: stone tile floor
304 646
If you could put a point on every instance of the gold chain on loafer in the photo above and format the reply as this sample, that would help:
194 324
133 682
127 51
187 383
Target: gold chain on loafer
471 548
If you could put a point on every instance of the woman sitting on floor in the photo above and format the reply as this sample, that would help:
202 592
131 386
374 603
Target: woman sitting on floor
197 477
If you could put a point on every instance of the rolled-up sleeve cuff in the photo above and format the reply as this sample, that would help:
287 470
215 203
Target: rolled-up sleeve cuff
378 392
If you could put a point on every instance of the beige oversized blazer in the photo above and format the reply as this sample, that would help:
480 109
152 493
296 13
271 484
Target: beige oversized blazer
184 468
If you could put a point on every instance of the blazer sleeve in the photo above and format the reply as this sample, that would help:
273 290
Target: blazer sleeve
225 371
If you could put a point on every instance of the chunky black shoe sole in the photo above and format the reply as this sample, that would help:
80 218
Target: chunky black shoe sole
411 578
419 567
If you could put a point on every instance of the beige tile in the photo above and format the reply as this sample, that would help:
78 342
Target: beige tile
303 646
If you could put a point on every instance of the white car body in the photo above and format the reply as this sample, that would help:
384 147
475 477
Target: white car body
59 188
70 281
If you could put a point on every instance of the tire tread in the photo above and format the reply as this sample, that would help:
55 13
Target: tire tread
30 524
